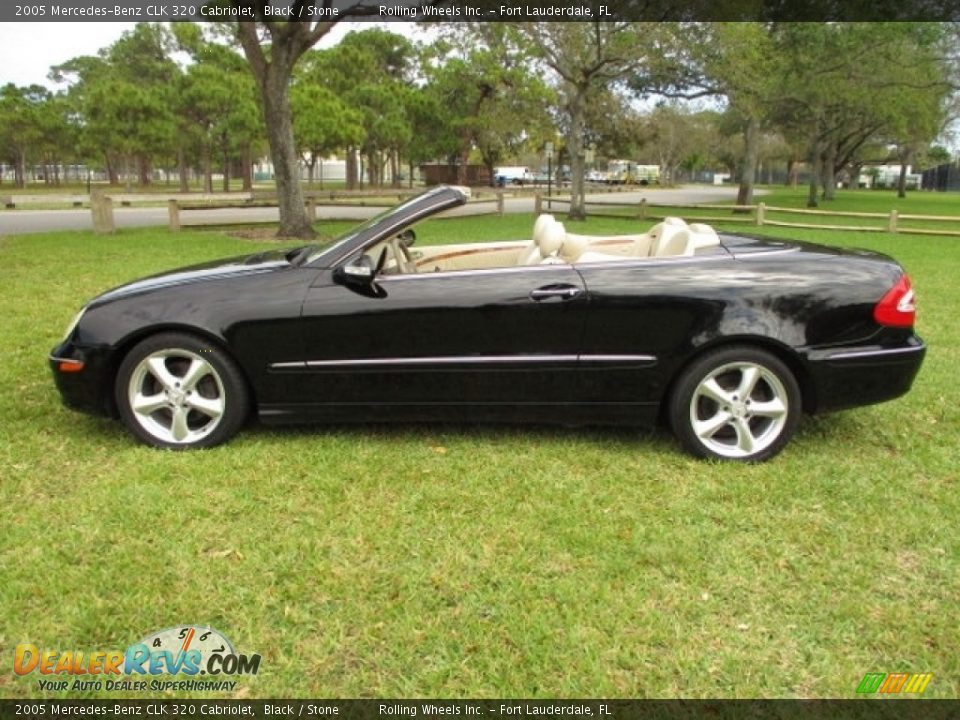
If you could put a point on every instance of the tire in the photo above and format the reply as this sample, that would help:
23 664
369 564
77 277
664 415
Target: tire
735 403
178 391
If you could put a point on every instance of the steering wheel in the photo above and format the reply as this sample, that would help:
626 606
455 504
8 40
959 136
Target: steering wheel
401 255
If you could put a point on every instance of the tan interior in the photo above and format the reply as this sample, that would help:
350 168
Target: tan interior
551 244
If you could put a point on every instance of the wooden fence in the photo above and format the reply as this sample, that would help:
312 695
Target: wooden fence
102 205
758 215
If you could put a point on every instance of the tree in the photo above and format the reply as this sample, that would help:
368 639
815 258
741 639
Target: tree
125 99
219 101
492 100
322 123
586 57
850 84
272 49
20 128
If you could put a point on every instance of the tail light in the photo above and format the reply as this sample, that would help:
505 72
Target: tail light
897 307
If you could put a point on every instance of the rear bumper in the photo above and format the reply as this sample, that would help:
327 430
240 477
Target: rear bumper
851 377
82 376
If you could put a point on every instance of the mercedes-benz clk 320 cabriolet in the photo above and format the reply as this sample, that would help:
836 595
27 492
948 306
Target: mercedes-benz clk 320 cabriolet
728 338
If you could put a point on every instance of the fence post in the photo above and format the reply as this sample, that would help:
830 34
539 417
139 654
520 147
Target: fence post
537 203
642 212
8 202
761 213
173 211
892 223
101 209
312 209
500 204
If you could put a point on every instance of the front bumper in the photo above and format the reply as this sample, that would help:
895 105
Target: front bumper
89 388
851 377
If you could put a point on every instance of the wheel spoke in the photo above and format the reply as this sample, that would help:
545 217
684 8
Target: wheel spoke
745 439
770 408
197 370
706 428
148 404
748 381
208 406
158 368
711 389
179 428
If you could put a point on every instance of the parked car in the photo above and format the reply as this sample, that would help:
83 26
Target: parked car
727 337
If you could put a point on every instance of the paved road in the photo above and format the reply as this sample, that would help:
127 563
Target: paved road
17 222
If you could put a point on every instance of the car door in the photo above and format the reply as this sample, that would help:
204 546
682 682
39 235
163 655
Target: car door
500 341
646 316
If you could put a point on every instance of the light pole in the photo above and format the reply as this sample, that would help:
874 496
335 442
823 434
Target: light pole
549 148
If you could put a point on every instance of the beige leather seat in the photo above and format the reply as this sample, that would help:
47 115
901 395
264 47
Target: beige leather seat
703 236
530 255
548 237
550 241
670 238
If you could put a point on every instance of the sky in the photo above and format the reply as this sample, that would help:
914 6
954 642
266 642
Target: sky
27 50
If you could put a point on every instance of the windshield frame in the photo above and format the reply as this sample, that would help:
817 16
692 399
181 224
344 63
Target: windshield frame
390 221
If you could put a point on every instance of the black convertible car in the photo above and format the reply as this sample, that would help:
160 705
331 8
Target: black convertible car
727 337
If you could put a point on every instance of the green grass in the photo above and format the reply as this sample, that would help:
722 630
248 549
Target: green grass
477 561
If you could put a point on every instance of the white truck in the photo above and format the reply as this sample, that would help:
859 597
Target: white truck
513 175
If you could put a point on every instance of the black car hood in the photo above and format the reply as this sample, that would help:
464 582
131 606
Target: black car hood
205 272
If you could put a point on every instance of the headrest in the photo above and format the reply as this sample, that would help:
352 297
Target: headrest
550 240
542 222
573 246
703 236
664 242
675 243
679 222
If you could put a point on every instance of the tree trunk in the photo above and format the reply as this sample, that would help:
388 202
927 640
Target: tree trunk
207 171
463 158
246 161
578 210
748 169
20 173
283 150
372 168
394 169
351 169
143 166
410 174
829 171
816 163
226 171
113 176
791 178
311 166
905 160
182 169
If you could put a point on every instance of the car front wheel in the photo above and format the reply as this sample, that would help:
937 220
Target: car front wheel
735 403
177 391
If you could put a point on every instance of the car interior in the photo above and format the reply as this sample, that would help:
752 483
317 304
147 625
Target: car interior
551 244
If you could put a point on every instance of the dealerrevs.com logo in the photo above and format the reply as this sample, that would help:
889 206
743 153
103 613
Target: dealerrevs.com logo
185 650
898 683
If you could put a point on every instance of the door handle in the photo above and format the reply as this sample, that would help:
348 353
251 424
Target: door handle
561 292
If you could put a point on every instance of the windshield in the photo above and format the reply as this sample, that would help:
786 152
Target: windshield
318 250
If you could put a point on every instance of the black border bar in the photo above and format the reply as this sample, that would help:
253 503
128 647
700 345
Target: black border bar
592 709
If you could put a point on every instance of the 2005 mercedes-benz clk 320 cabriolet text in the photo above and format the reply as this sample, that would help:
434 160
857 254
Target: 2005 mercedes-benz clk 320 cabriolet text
729 338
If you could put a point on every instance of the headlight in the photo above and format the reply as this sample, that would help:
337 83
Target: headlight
73 324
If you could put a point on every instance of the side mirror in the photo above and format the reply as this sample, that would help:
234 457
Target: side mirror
360 274
357 272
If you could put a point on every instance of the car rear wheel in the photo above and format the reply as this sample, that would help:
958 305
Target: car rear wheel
735 403
176 391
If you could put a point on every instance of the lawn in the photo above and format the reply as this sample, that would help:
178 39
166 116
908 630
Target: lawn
481 561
